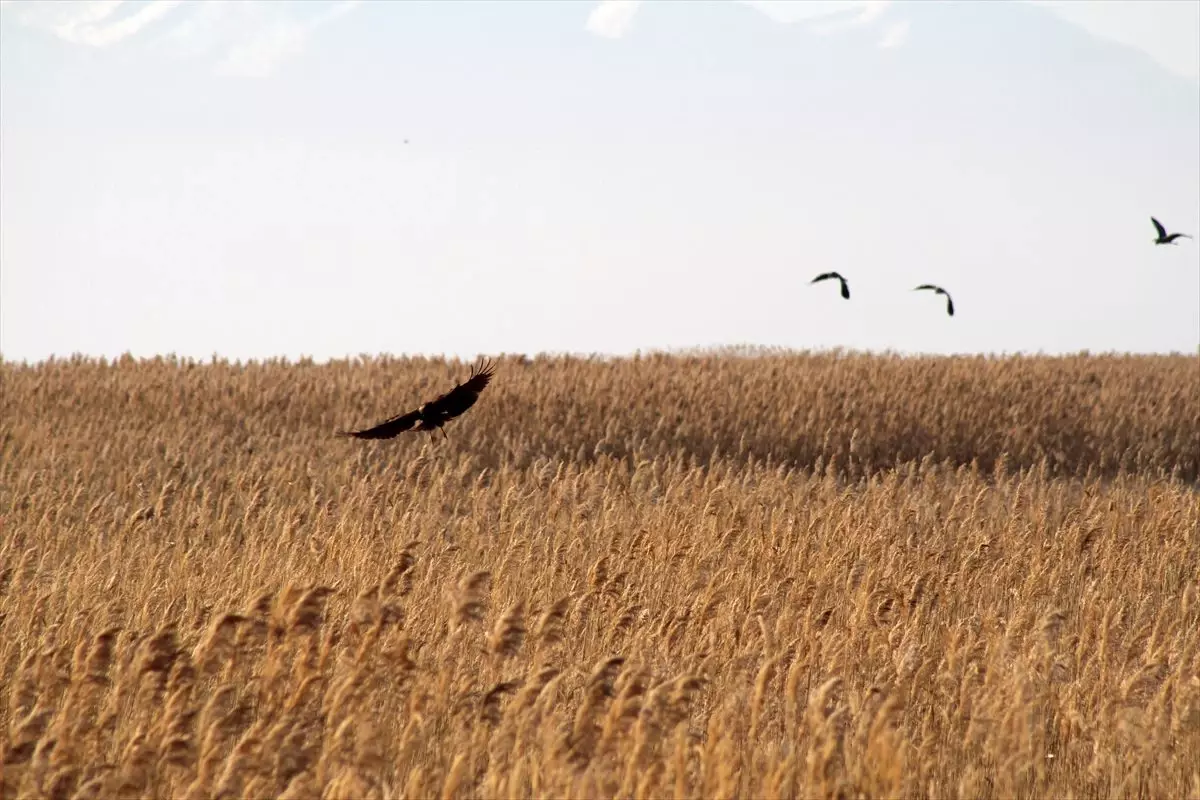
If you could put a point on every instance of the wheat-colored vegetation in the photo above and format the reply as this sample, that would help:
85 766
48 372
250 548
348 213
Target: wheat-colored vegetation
700 577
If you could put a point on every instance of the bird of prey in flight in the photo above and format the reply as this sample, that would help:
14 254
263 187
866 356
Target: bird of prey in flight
827 275
431 416
1163 236
939 290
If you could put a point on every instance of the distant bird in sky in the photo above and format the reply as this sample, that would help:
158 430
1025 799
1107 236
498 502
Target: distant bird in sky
827 275
1163 236
433 415
939 290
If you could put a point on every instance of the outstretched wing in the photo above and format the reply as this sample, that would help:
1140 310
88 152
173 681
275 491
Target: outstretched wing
464 395
387 429
824 276
1159 227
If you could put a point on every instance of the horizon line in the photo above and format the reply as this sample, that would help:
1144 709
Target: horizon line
735 351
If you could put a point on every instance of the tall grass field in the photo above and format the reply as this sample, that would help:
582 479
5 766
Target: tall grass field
721 575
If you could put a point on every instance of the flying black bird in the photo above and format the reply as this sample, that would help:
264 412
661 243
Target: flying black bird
939 290
826 275
433 415
1163 236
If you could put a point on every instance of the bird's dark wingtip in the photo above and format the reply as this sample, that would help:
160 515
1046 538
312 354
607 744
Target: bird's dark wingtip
486 367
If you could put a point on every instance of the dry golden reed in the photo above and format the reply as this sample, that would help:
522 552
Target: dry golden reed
706 576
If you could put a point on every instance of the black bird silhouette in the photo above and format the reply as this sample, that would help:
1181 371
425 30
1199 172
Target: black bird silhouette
433 415
827 275
939 290
1163 236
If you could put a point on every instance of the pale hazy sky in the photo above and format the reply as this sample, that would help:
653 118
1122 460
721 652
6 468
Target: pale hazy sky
232 177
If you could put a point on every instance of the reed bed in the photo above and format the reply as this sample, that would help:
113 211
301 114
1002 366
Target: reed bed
709 576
